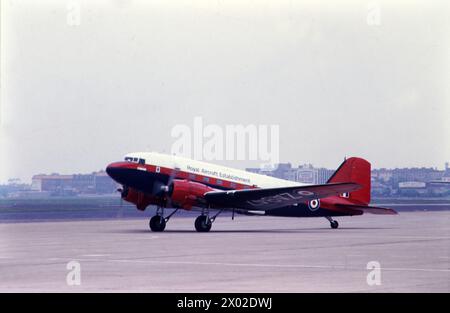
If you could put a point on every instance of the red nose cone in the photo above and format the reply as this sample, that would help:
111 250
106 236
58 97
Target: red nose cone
119 170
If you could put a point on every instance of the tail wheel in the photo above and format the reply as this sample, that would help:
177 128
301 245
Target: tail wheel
334 224
157 223
203 224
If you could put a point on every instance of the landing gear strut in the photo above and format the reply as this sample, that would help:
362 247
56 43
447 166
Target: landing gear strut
203 223
333 224
158 222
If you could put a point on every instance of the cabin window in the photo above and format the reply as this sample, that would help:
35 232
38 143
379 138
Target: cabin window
192 176
233 185
219 182
206 179
142 161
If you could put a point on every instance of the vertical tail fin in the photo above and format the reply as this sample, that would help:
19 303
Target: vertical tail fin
354 170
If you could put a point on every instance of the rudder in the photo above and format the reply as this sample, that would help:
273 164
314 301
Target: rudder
354 170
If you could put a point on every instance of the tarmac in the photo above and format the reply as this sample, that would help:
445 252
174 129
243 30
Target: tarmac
249 254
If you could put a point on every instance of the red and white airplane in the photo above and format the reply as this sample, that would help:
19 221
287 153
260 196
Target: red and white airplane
169 181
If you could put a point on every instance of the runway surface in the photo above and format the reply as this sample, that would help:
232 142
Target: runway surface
250 254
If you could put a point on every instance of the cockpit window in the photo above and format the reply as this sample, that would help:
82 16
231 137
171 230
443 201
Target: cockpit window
135 160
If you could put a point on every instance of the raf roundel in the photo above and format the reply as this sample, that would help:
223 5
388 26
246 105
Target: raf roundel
314 204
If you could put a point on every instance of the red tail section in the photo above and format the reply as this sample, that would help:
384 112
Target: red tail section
354 170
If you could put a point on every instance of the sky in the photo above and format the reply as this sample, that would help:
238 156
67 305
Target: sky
85 82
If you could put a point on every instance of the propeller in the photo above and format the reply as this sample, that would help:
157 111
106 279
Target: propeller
163 190
123 193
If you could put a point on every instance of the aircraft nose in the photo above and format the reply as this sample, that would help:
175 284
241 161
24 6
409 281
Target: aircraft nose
110 170
117 171
129 174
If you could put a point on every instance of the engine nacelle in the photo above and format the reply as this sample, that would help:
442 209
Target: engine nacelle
187 194
141 200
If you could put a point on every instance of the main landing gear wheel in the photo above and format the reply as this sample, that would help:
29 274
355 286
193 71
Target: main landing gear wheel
157 223
203 223
334 224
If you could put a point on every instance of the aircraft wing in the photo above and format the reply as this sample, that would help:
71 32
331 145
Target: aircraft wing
271 198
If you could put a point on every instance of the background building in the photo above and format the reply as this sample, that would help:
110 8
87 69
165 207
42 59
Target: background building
55 184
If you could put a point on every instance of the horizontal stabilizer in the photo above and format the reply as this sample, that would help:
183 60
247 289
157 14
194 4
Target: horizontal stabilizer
368 209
